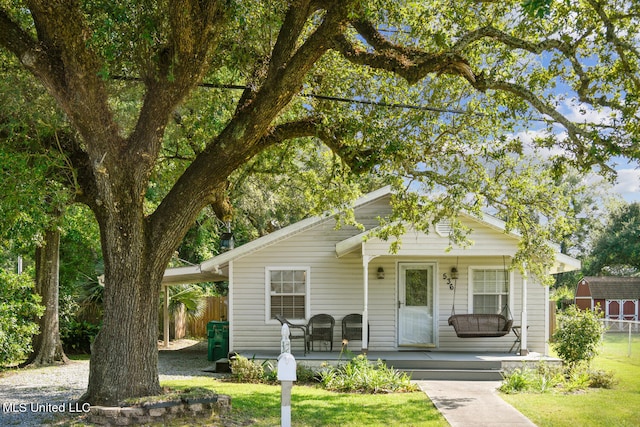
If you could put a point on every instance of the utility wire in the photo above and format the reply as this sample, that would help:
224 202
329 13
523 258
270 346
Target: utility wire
358 101
324 97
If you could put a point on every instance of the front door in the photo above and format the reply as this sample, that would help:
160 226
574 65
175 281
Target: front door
416 304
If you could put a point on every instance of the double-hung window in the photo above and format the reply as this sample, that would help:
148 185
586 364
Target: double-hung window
490 290
287 292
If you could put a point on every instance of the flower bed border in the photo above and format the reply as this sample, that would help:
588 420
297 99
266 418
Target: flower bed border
152 412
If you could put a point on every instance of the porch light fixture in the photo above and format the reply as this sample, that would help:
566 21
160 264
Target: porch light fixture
380 273
227 242
454 273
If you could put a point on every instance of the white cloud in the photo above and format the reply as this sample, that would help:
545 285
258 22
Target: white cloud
628 184
527 137
579 112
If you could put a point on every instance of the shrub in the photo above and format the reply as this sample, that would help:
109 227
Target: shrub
77 336
306 374
359 375
516 381
601 379
245 370
577 338
547 378
19 310
577 379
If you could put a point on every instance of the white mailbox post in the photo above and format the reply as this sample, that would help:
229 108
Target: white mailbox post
286 376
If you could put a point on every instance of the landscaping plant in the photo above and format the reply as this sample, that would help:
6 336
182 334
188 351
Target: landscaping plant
361 376
578 337
577 342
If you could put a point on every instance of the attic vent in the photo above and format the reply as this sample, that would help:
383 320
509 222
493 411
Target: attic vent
443 228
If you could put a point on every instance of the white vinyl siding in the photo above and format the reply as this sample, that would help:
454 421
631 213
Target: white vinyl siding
287 288
335 285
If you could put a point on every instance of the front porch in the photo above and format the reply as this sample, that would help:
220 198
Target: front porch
423 364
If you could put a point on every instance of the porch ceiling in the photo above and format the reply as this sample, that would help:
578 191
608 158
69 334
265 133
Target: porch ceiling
192 274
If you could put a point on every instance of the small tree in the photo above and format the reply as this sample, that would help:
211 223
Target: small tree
577 338
19 310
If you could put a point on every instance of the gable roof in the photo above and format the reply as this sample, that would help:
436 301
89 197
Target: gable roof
217 263
354 242
215 269
562 262
614 288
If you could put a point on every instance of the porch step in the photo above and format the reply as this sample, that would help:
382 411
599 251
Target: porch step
452 370
455 374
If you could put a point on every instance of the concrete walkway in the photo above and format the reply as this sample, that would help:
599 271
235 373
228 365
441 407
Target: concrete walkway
472 404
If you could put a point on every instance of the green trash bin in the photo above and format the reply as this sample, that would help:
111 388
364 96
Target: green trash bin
218 340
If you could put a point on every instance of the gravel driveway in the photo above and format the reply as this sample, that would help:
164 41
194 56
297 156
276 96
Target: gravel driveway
31 397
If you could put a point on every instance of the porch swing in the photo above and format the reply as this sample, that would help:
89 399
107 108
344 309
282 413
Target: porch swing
479 325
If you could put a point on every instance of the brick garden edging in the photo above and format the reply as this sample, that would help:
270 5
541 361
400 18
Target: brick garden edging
159 411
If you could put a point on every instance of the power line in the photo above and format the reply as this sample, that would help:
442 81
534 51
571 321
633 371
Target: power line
358 101
385 104
324 97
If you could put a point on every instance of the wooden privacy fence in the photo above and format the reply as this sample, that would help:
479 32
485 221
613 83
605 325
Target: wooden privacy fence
552 318
215 309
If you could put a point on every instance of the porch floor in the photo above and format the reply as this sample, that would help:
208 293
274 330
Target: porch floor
462 356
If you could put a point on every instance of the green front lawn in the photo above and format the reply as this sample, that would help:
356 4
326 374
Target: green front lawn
312 406
615 407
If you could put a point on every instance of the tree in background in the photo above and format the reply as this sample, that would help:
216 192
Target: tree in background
616 248
33 196
469 77
591 200
19 311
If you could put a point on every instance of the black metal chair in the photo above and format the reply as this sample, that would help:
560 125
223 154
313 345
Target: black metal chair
320 328
352 327
296 332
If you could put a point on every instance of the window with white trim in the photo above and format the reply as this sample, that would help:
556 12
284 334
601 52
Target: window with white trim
490 289
287 289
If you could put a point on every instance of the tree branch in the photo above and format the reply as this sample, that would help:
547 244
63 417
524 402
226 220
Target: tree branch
289 34
411 64
619 46
585 89
242 137
72 72
18 41
195 28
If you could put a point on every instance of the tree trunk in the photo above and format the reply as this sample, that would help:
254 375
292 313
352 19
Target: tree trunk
47 346
124 355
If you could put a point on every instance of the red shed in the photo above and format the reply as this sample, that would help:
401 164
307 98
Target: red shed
618 297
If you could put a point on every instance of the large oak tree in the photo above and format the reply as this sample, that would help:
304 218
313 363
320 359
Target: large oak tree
470 76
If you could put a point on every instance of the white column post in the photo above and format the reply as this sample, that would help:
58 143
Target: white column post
365 312
523 321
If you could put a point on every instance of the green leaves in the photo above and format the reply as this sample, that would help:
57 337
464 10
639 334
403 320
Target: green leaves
537 8
578 336
19 310
616 248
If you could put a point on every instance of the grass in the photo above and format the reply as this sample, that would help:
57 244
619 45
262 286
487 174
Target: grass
259 405
616 407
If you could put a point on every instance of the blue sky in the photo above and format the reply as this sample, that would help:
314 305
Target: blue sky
628 185
628 172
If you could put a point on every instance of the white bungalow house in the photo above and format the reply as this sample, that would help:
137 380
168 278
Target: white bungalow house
311 267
